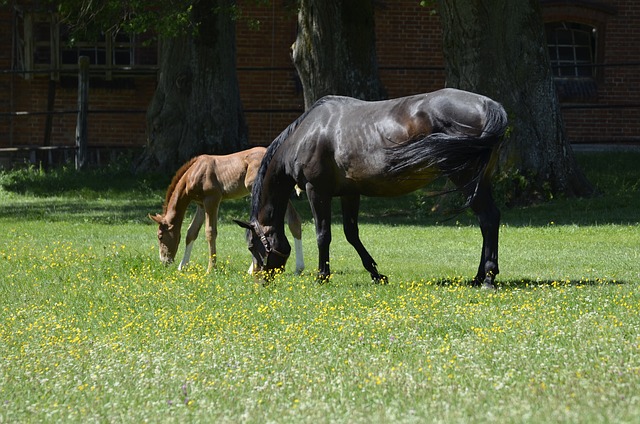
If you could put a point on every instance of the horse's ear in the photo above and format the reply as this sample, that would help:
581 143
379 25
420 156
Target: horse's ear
157 218
244 224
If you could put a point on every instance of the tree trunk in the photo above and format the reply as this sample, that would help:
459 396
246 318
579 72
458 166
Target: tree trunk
498 48
335 52
196 108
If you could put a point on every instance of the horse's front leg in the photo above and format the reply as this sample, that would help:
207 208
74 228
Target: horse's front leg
192 235
295 226
350 209
211 205
321 209
489 219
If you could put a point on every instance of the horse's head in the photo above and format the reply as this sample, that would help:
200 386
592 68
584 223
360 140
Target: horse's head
268 255
168 238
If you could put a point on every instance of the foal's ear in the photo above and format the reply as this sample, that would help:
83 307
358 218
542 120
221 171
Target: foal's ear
157 218
244 224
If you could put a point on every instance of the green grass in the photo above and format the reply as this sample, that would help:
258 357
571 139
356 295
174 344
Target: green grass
94 329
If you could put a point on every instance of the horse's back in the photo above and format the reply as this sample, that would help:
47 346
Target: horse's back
339 146
400 119
342 144
228 176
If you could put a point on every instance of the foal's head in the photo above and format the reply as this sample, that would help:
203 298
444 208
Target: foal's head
266 258
168 238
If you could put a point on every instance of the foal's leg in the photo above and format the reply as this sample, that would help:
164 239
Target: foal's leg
489 218
350 208
211 205
295 226
192 235
321 209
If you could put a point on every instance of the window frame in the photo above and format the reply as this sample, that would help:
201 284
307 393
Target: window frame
594 13
567 49
38 51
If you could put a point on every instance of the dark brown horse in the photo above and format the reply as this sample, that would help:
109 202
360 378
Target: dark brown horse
207 180
346 147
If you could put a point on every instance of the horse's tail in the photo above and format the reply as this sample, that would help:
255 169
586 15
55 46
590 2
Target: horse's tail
452 153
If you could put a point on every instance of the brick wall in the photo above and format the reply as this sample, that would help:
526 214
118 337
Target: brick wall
409 57
269 89
115 129
409 48
5 63
408 41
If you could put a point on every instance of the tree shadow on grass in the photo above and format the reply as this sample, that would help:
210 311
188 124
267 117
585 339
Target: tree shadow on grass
78 210
106 210
616 175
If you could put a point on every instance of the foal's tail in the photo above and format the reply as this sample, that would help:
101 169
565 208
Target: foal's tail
453 153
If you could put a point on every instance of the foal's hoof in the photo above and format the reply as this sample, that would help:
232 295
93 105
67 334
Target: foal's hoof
380 279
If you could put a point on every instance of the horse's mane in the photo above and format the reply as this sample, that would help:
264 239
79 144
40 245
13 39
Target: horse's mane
174 182
268 156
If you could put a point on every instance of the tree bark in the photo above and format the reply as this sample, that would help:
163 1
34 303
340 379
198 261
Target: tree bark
196 108
498 48
334 52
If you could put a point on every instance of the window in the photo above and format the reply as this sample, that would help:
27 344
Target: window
45 44
572 49
121 50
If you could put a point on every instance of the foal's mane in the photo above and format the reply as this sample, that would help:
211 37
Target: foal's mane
174 182
268 156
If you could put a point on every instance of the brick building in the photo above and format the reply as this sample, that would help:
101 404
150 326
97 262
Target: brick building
594 47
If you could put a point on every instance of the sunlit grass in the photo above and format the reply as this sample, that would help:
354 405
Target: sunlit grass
95 329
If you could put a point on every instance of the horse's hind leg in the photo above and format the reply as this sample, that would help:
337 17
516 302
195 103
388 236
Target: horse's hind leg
295 226
489 219
350 209
192 235
211 205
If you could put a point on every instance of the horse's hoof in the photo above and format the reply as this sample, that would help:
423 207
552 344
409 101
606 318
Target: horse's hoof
380 279
477 281
487 284
322 278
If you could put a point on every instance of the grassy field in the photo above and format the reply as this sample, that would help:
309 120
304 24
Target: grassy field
94 329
